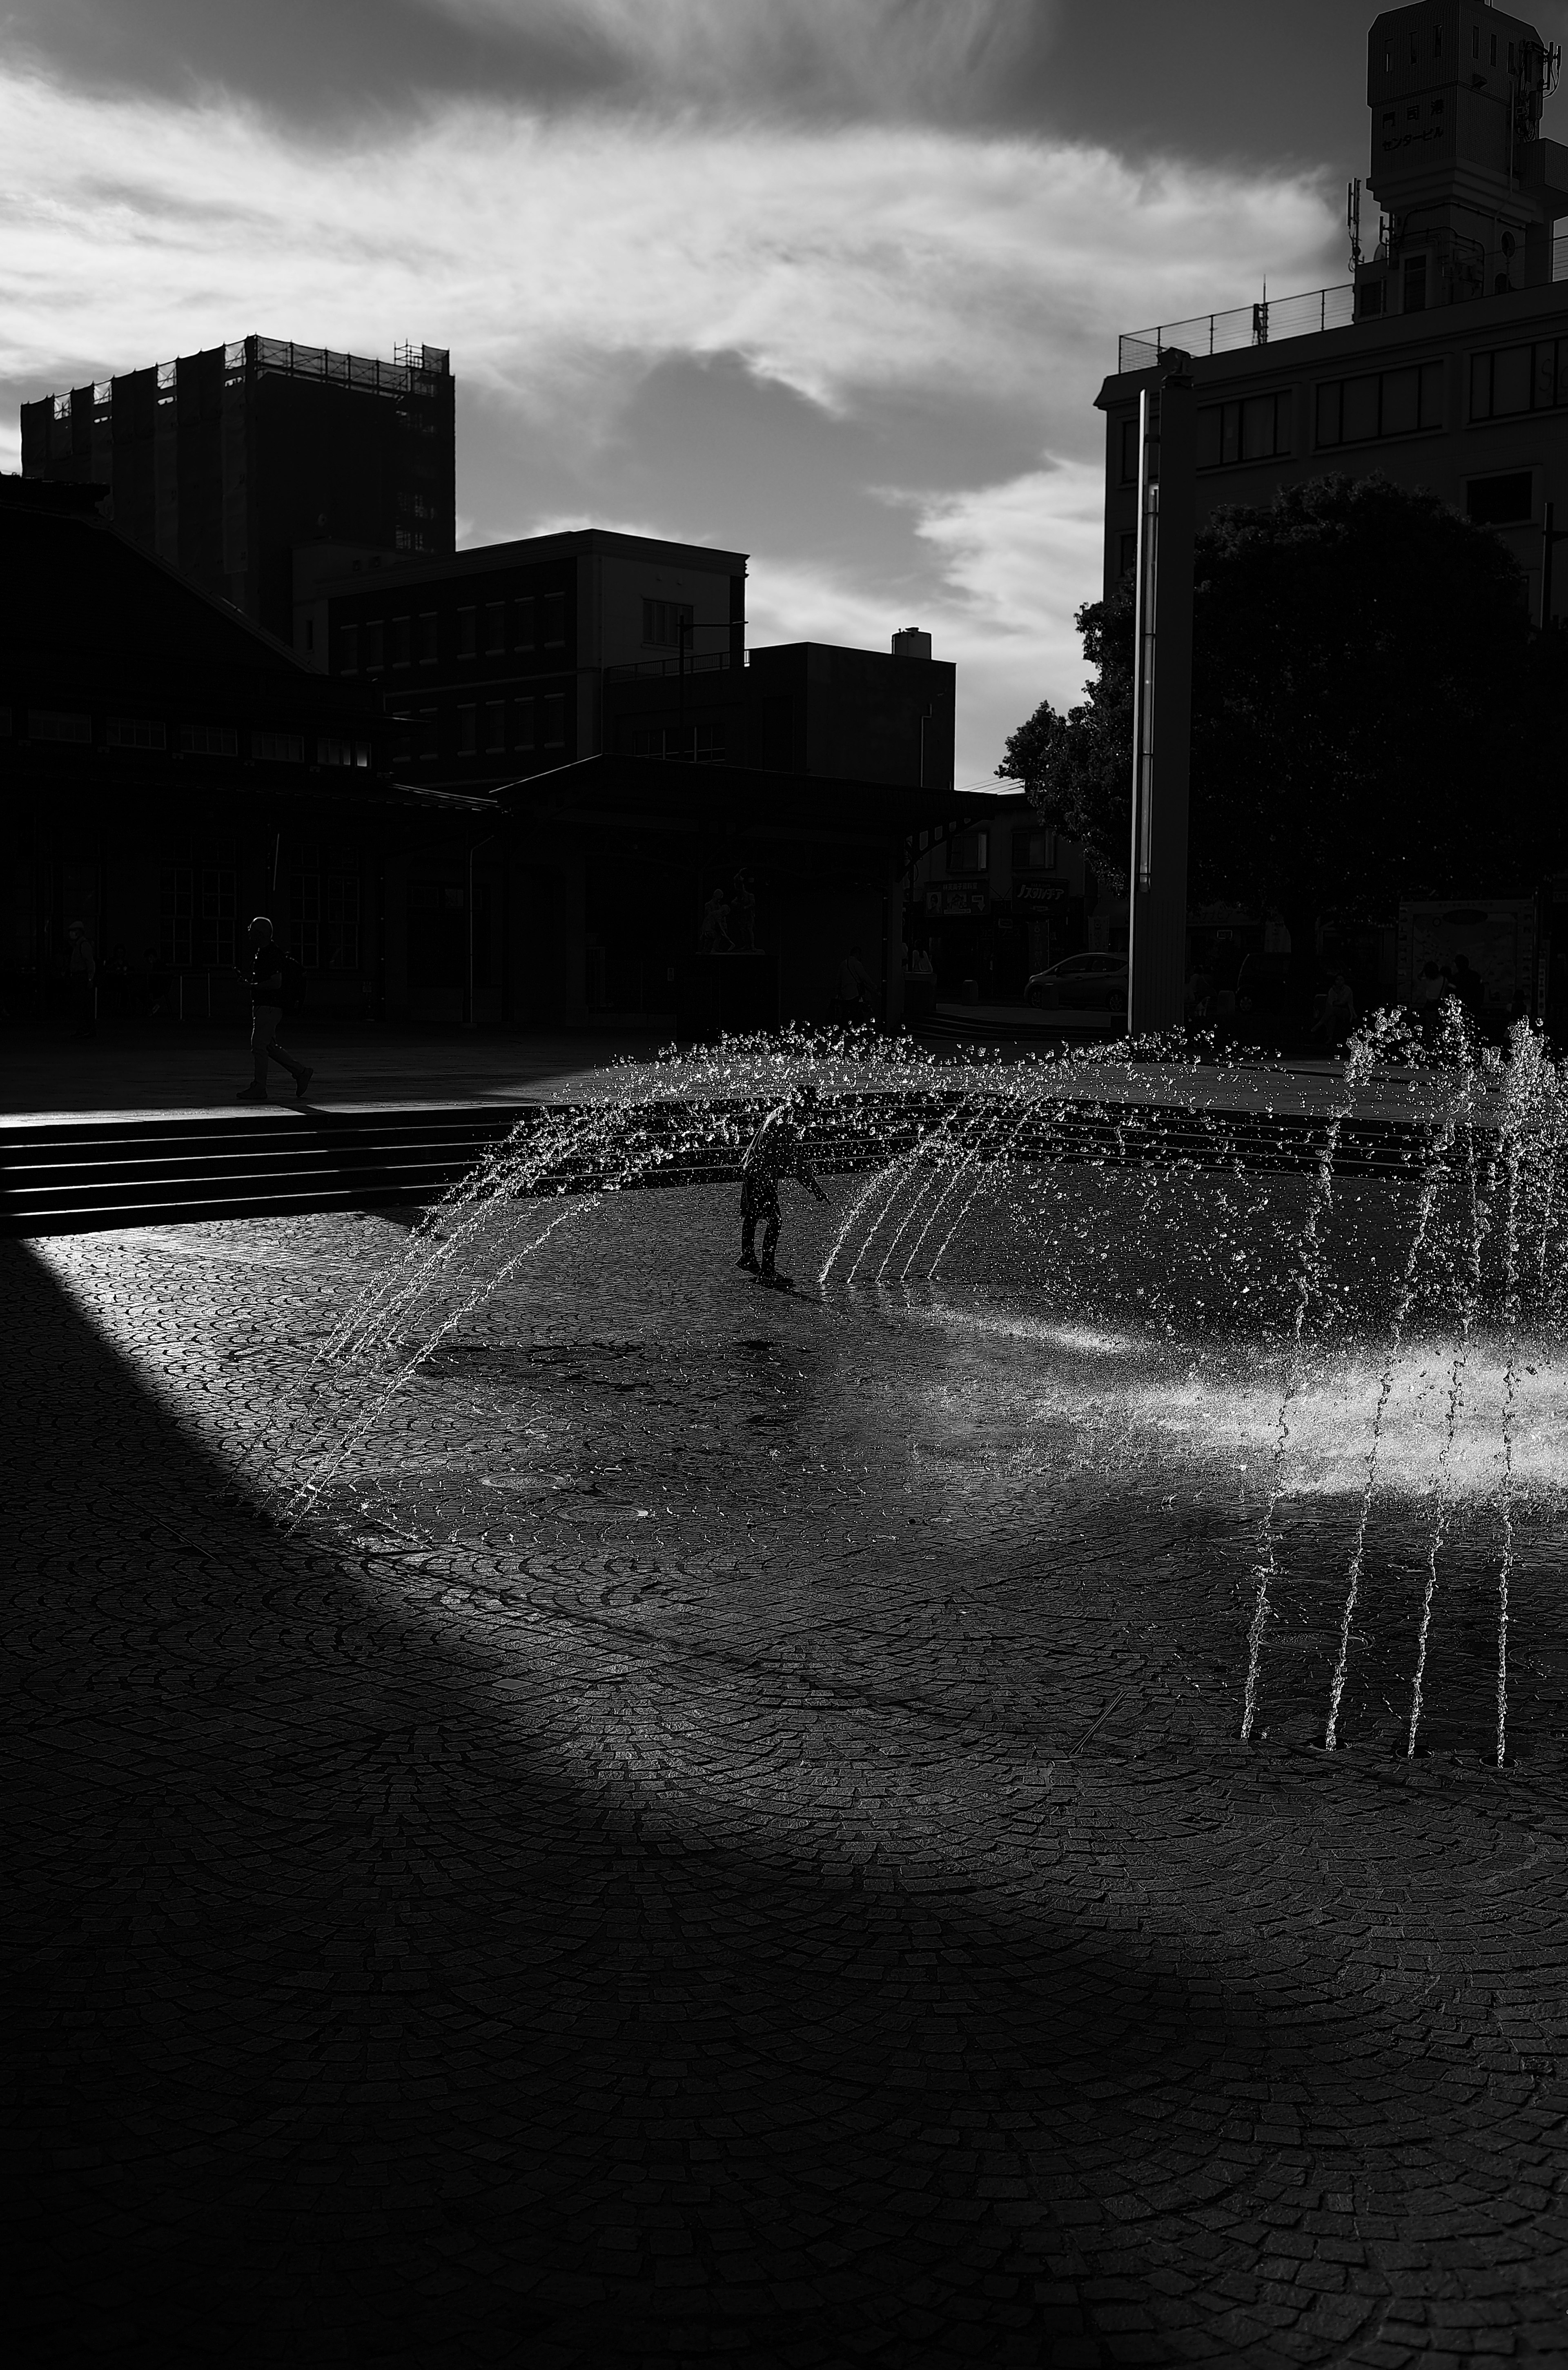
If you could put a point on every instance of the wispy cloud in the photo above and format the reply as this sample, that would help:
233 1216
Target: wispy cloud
865 59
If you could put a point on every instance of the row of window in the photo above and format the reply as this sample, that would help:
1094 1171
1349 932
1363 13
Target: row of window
1383 403
482 726
1390 44
1519 378
150 733
198 917
1375 404
704 744
490 629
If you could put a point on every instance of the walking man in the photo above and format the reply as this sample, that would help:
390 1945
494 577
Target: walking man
777 1150
83 966
272 979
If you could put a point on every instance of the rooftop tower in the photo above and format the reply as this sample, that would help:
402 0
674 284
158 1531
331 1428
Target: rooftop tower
1468 187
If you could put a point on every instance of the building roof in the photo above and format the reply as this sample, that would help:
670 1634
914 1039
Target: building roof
573 543
739 803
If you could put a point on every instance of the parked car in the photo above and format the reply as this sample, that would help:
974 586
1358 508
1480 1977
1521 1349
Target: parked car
1096 982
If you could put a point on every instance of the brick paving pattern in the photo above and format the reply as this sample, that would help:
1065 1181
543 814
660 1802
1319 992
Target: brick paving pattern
722 1840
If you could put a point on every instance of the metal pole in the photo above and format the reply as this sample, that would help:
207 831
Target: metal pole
1548 543
469 1019
1147 567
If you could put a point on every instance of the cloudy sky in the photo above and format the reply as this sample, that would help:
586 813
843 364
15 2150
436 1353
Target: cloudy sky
831 281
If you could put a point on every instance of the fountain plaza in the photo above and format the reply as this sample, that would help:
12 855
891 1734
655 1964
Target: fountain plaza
1004 1806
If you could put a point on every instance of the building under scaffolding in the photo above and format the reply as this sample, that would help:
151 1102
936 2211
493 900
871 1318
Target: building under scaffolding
226 462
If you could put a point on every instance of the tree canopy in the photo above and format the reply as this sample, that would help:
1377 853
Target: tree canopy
1373 714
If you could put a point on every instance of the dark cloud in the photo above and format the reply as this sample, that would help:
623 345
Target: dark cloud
1243 81
314 59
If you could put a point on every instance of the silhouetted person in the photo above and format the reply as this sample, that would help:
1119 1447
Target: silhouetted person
715 934
854 997
742 913
1339 1010
1429 990
267 978
82 972
777 1150
1468 985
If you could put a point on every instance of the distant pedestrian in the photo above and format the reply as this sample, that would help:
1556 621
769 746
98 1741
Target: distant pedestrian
853 1001
1429 987
275 981
777 1150
82 969
742 913
1339 1010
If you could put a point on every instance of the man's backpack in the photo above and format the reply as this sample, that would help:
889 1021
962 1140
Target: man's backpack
291 985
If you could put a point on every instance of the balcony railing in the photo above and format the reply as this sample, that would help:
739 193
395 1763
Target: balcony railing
1267 323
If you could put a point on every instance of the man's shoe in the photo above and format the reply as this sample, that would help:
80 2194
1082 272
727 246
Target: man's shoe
302 1082
251 1094
748 1259
774 1282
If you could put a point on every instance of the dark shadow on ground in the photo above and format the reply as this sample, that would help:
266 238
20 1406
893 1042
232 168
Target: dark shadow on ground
349 2023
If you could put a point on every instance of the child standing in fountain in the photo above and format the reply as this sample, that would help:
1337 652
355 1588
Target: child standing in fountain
777 1150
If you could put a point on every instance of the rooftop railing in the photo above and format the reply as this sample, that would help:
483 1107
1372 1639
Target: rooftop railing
1265 324
694 662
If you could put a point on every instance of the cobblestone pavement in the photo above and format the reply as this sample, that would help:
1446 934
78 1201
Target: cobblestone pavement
721 1839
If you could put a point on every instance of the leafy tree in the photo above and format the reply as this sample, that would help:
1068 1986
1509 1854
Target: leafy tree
1372 715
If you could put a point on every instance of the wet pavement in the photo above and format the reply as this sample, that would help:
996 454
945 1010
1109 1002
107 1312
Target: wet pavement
720 1835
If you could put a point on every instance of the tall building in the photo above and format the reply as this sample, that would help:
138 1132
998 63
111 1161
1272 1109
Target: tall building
1442 360
224 462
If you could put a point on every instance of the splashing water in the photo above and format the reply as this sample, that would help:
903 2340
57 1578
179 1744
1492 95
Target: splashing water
1139 1185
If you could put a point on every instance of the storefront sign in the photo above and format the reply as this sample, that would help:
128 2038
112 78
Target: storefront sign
1038 892
959 897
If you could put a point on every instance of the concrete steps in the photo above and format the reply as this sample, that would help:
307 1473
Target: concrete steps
62 1175
72 1175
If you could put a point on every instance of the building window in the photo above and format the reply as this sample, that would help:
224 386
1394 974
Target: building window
552 620
523 724
278 748
135 732
468 730
373 645
324 920
700 744
662 623
1388 403
1501 501
427 643
1256 429
1129 452
348 649
969 852
1519 378
553 720
467 633
495 627
196 910
336 749
209 740
495 724
427 733
59 724
1033 850
523 622
399 641
1415 283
